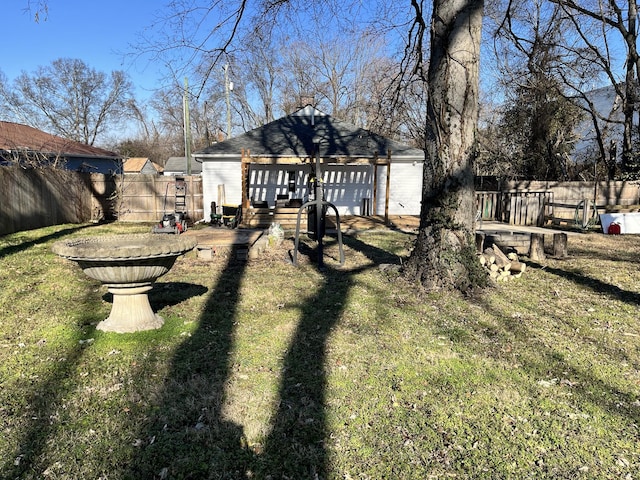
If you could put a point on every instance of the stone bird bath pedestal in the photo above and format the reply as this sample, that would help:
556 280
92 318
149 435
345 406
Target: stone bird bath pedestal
128 265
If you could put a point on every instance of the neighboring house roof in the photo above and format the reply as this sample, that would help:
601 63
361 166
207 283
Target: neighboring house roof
608 109
141 165
17 137
295 135
179 165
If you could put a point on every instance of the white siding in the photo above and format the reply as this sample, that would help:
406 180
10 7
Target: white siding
405 189
215 173
346 185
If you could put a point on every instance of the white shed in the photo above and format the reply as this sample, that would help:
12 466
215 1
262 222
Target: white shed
362 173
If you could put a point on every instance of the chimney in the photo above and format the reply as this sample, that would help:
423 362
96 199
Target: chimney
306 99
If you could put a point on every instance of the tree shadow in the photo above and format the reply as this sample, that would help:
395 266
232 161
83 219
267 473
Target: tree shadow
45 399
296 444
12 249
376 255
598 286
547 361
624 253
168 294
191 436
553 364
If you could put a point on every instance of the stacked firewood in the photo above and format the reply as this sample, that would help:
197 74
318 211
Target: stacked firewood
501 266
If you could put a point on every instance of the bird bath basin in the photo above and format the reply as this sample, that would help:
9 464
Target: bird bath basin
128 265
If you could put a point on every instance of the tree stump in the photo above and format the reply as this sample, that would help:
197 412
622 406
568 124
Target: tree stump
559 245
479 242
536 248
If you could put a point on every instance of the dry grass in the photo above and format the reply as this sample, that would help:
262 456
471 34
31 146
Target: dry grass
264 370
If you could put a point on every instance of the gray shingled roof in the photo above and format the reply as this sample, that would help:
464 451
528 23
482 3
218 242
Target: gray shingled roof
295 134
179 164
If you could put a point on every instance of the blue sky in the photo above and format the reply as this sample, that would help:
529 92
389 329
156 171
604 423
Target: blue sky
99 33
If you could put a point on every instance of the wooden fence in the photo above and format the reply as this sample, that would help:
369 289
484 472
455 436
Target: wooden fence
35 198
513 206
537 203
41 197
145 198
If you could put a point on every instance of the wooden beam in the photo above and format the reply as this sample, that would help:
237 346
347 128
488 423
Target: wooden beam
244 202
386 196
304 160
375 186
278 160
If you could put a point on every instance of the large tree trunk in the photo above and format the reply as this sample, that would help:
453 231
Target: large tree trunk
444 256
630 165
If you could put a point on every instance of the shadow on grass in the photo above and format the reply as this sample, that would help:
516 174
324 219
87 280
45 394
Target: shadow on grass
295 446
168 294
42 404
547 363
519 342
598 286
376 255
192 438
44 398
10 250
624 253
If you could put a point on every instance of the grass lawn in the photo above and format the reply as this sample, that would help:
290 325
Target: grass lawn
264 370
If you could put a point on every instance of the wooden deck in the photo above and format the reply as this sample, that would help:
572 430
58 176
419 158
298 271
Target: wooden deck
215 237
222 236
287 217
499 227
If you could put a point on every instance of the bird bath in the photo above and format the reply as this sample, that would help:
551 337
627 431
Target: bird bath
128 265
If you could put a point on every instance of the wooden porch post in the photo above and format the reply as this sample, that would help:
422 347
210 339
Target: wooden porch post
374 201
386 197
246 161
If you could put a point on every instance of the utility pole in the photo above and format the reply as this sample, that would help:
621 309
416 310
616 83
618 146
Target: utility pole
228 87
187 125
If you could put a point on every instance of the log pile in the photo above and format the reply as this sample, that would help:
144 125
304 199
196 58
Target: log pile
502 267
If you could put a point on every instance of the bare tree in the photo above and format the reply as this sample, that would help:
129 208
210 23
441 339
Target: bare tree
259 68
32 158
70 99
39 9
444 256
